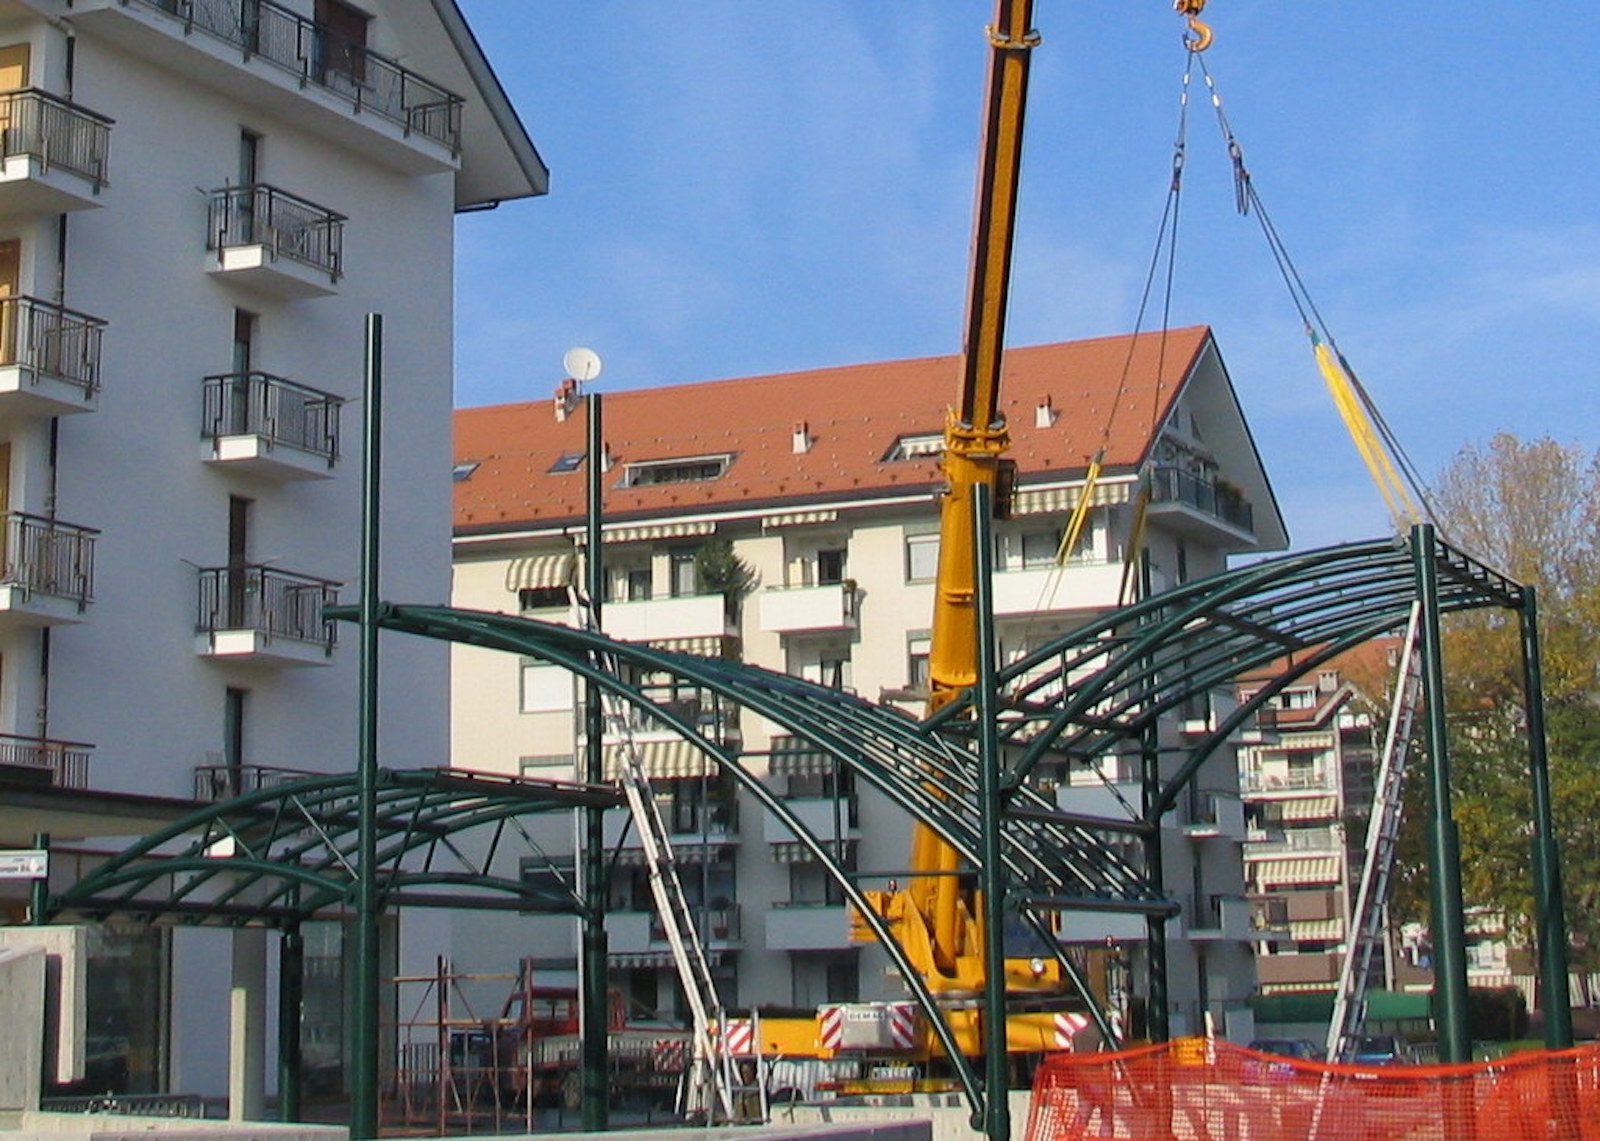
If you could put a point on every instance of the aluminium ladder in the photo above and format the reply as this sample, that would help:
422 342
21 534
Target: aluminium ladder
1383 832
711 1076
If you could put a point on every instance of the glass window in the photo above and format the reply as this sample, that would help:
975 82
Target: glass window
922 557
918 673
1039 547
639 584
685 581
830 566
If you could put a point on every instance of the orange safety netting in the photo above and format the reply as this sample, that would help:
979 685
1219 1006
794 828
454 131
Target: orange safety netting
1206 1090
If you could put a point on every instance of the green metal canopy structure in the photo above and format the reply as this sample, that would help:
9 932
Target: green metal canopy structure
285 854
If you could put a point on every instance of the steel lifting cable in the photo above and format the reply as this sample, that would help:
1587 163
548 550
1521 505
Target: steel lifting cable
1380 448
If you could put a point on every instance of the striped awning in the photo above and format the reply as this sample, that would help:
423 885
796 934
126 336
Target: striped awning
662 760
690 853
799 518
656 960
799 762
794 852
1309 808
1316 869
682 529
706 645
1320 930
1059 500
537 572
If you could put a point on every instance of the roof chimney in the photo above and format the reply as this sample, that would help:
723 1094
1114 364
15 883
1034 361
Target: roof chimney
1045 415
566 398
801 440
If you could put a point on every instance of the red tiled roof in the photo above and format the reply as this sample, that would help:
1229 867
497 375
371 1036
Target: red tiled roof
854 414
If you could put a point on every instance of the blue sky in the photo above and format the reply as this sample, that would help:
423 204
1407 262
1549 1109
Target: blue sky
742 188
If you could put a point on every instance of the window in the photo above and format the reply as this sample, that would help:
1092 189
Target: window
915 446
545 688
553 766
639 584
552 879
463 471
843 982
567 462
694 469
341 43
541 597
233 737
922 557
685 579
1039 547
830 567
918 673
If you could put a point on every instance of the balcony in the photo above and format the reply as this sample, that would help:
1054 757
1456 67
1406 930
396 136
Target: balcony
214 782
1188 503
265 55
1219 918
1214 815
48 571
824 817
668 619
1099 927
1291 783
271 241
808 927
257 615
1308 971
49 358
41 761
52 154
641 936
1056 590
1295 841
269 426
809 609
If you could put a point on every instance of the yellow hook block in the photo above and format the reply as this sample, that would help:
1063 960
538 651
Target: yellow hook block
1199 38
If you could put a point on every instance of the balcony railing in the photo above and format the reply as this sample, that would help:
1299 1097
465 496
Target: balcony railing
61 135
1313 780
260 404
718 923
64 763
223 782
275 603
319 57
50 340
287 226
46 556
1296 840
1174 485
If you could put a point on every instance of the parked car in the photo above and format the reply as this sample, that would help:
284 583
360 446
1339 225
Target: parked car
1382 1050
1302 1048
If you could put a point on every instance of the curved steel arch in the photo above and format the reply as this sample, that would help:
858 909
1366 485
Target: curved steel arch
1100 687
283 854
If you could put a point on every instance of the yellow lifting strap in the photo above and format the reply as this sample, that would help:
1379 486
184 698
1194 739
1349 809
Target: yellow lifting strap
1352 410
1127 592
1080 512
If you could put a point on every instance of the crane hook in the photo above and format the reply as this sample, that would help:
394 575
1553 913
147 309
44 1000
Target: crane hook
1200 38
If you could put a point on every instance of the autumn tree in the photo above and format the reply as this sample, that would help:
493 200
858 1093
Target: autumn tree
1532 511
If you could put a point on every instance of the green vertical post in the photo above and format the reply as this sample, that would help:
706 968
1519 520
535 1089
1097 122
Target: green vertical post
595 1097
39 889
1549 911
1444 851
364 1043
1157 1017
991 875
291 995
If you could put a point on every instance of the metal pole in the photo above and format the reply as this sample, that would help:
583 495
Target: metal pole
1444 852
39 889
1157 1021
291 993
991 804
364 1046
1552 920
595 1096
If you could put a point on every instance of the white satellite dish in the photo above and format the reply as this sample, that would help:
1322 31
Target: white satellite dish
581 364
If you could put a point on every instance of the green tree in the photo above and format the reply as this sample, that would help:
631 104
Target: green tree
719 571
1532 511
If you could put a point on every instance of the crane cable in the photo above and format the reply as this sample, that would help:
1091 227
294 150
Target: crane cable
1400 484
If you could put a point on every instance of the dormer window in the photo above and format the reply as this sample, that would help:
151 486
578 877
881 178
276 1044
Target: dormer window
690 469
567 462
916 446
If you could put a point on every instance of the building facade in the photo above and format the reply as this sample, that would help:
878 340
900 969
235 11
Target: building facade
821 488
199 204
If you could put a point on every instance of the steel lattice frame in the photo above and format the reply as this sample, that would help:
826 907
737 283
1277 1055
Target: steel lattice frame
284 854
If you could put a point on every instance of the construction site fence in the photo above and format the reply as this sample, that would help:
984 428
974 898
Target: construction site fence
1197 1088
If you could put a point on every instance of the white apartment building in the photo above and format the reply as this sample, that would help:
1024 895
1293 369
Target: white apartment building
200 201
825 485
